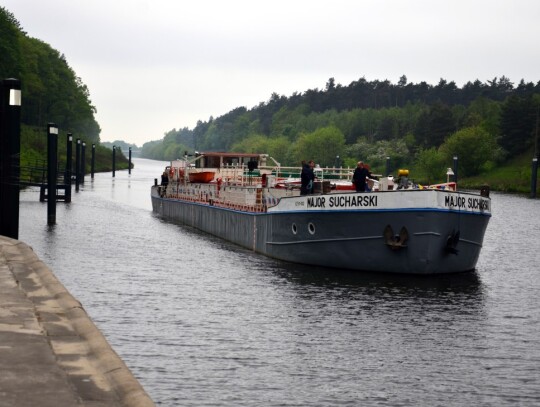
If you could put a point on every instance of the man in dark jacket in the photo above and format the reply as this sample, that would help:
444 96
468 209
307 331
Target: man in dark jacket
307 178
359 177
164 179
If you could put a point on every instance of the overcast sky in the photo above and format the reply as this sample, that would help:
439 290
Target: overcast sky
155 65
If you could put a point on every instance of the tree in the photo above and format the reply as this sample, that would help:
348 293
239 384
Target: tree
421 115
446 92
484 112
375 154
257 143
475 148
331 84
10 62
400 93
52 92
323 146
434 125
278 148
429 166
518 123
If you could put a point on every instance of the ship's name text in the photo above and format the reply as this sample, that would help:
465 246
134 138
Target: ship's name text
470 203
352 201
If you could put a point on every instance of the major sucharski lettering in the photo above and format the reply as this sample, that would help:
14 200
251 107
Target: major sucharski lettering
469 203
348 201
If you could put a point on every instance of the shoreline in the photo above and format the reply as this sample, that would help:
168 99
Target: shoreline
51 351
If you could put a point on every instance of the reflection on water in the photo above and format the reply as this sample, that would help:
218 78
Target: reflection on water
330 278
203 322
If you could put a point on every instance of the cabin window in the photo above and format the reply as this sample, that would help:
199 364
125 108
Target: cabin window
311 228
294 228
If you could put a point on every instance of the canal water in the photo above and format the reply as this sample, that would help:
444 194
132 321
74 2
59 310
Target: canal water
201 322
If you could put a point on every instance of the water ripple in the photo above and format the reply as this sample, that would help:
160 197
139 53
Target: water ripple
201 322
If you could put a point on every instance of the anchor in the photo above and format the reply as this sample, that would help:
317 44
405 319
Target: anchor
451 242
395 242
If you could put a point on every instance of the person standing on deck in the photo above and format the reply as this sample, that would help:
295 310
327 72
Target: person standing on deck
164 179
307 178
359 177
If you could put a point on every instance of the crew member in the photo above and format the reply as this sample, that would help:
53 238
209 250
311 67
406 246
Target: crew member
361 173
307 178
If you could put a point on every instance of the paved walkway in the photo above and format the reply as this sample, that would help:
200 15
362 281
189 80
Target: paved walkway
51 353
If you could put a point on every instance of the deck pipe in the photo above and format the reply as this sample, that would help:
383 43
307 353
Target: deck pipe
77 164
69 160
534 174
10 148
52 167
93 161
387 166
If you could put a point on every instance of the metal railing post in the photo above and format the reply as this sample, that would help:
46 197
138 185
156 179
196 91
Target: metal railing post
93 161
77 164
10 147
52 164
113 161
83 162
69 160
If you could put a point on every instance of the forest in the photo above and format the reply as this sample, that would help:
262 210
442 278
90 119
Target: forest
51 93
417 125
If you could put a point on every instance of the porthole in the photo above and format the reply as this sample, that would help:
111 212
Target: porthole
311 228
294 228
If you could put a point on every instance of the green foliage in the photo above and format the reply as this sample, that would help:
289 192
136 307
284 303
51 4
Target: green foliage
51 91
377 120
512 176
410 123
253 144
434 125
485 113
163 150
120 144
429 166
375 153
475 149
420 136
519 118
322 145
153 150
34 151
275 147
10 51
104 159
33 145
284 121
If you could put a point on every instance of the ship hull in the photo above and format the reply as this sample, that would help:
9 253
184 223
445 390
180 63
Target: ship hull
441 238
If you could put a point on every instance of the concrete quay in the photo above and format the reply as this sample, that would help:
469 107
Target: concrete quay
51 353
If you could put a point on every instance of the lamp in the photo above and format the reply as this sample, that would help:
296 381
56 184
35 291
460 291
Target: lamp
449 172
